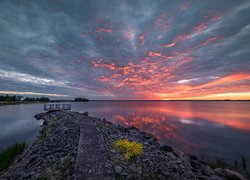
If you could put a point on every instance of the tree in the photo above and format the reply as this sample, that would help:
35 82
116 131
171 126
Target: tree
78 99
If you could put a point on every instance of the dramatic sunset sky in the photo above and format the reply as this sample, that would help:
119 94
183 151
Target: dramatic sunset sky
125 49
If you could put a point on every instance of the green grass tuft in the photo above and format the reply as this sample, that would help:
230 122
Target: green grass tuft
8 155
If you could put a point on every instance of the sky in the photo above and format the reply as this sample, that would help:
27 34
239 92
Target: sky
125 49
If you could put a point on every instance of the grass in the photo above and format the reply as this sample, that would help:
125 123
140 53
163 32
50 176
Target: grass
45 130
130 149
9 154
239 166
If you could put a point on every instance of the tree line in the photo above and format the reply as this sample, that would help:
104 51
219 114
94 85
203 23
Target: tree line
43 99
19 98
16 98
79 99
10 98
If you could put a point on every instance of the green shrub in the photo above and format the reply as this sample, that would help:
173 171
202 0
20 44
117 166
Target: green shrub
130 149
9 154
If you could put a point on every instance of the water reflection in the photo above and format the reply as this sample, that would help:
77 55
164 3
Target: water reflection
215 129
17 123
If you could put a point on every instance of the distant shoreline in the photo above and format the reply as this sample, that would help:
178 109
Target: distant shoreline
16 103
3 103
169 100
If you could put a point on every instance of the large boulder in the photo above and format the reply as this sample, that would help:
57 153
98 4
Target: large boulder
39 116
233 175
166 148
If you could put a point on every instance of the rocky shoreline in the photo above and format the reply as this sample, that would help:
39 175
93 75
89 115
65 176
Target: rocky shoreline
53 155
158 161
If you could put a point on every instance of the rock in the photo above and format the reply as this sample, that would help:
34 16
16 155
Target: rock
104 120
214 177
134 132
118 169
206 170
146 135
177 152
124 174
171 156
39 116
195 164
160 177
120 127
209 170
132 128
203 178
219 172
151 140
146 177
166 148
86 113
129 177
233 175
193 157
139 170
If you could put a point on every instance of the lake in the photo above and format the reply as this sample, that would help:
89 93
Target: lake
217 129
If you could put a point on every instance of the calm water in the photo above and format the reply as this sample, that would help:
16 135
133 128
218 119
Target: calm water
214 129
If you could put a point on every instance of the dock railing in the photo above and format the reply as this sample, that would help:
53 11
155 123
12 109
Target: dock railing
48 107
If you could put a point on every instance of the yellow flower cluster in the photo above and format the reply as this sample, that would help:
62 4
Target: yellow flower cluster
130 149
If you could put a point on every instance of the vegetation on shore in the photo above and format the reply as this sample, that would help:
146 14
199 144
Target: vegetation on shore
8 155
6 99
10 98
238 165
15 98
79 99
41 99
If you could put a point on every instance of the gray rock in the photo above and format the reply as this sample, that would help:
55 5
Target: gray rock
39 116
146 177
132 128
129 177
233 175
206 170
209 170
171 156
195 164
146 135
118 169
134 132
86 113
203 178
219 172
151 140
120 127
193 157
177 152
214 177
166 148
160 177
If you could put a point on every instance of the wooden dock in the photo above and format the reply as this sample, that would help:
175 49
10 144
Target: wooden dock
48 107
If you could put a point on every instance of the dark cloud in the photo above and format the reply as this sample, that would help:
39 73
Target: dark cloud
124 49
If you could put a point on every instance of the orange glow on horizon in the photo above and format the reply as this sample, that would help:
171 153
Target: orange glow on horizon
150 80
